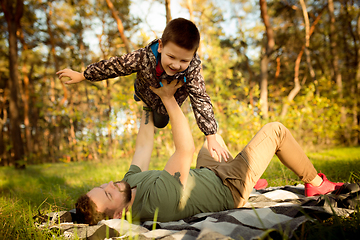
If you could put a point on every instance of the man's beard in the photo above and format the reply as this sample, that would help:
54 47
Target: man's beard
126 191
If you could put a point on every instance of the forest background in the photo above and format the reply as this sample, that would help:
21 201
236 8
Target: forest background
294 61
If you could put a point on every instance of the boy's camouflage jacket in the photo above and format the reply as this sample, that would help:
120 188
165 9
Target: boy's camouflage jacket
143 61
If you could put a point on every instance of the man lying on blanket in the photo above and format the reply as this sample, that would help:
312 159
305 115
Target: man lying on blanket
215 185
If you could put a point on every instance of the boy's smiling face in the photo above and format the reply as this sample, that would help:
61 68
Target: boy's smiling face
174 59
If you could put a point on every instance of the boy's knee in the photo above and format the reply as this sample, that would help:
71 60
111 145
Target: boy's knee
275 126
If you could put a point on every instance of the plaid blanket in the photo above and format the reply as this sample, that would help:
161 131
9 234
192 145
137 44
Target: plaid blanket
277 209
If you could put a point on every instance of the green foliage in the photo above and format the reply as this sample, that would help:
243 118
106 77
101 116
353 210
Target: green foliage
314 120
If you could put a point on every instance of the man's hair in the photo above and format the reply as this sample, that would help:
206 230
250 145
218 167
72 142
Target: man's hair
183 33
86 211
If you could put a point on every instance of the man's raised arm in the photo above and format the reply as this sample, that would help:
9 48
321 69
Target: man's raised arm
179 163
144 141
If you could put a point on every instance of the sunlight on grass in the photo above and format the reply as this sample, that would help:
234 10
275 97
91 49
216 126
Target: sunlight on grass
339 164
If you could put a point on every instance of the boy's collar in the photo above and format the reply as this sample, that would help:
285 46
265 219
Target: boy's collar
154 48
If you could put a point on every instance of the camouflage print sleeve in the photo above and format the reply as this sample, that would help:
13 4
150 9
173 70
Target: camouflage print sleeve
115 66
201 103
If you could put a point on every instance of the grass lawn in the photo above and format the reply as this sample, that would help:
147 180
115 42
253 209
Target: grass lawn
55 187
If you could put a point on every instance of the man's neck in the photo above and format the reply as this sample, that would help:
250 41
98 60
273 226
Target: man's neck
133 194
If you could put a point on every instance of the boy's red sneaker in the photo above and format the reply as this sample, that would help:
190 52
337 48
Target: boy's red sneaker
325 187
261 184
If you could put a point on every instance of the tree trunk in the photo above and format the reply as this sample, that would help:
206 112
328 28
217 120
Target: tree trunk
53 54
55 144
168 11
108 90
251 83
26 97
297 85
13 14
119 25
3 113
335 59
264 108
34 116
307 40
356 118
265 58
109 127
189 5
108 100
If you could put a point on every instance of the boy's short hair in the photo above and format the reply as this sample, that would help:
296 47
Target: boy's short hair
183 33
86 211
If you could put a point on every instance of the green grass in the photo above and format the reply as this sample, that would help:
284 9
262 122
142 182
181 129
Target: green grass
55 187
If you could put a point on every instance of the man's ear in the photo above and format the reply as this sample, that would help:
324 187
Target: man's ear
118 214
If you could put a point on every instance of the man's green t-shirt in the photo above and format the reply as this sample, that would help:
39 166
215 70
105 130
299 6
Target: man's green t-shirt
204 192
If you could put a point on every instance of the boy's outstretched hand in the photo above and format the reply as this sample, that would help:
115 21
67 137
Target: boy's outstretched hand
74 76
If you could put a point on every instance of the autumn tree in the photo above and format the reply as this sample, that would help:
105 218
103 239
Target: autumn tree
13 12
265 58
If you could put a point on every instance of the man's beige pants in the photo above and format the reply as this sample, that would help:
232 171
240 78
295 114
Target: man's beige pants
241 173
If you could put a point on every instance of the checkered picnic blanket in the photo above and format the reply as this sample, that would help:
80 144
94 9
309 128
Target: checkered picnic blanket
280 209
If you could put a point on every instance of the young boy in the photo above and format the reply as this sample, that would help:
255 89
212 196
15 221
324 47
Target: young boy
171 58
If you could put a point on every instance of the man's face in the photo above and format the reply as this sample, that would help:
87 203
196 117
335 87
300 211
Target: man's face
174 59
111 198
